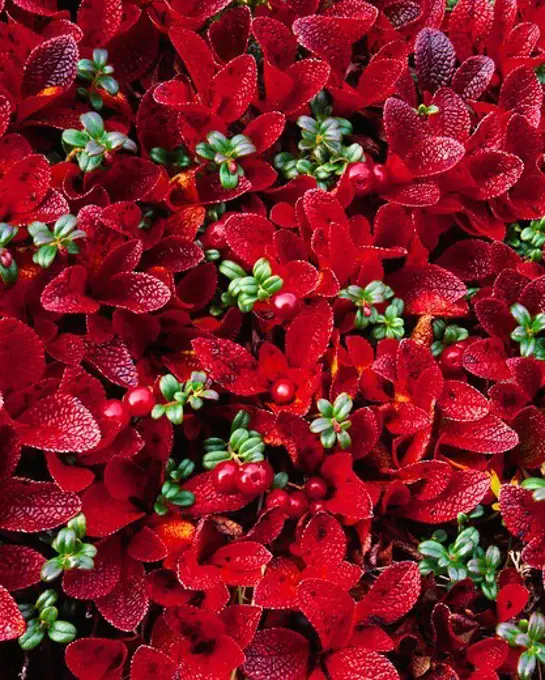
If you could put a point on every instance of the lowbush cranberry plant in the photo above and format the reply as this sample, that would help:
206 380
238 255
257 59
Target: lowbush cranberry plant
272 339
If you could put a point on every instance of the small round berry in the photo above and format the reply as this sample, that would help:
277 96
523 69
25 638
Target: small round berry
139 400
254 478
214 237
315 488
116 411
451 357
362 177
381 176
224 477
277 498
297 505
285 305
317 506
283 391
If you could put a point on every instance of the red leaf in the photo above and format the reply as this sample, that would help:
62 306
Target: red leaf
277 654
12 623
521 93
433 156
230 365
19 566
427 289
487 359
95 658
151 664
241 622
522 515
52 64
128 602
323 540
392 595
66 293
89 584
434 58
25 184
113 360
30 506
494 172
465 491
59 422
276 40
511 600
329 609
248 236
473 76
21 355
360 664
278 588
100 21
307 337
146 546
138 292
208 501
487 435
104 514
196 55
245 556
460 401
233 88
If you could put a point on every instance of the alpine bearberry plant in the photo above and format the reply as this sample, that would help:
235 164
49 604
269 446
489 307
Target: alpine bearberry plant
272 340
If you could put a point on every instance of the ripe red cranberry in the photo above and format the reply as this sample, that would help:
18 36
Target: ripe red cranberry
254 478
297 505
285 305
283 391
381 176
139 401
315 488
277 498
451 357
214 236
224 477
317 506
116 411
362 177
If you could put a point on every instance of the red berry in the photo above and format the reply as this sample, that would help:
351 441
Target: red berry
315 487
317 506
214 236
116 411
381 176
224 477
451 357
139 401
362 177
277 498
285 305
297 505
254 478
283 391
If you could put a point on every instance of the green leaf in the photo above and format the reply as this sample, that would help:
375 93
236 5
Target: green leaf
227 179
109 84
175 413
521 314
431 549
93 124
328 438
320 425
52 569
62 632
49 614
184 499
31 638
344 440
169 385
96 101
75 138
158 411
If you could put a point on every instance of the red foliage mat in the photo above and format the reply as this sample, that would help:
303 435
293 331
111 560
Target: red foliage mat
272 302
